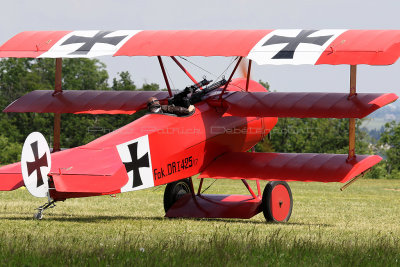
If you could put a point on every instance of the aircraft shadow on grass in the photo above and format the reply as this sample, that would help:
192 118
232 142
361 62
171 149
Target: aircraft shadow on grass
91 219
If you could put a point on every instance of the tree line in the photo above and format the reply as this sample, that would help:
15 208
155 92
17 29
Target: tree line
290 135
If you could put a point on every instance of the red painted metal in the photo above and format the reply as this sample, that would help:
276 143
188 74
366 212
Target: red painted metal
280 202
246 184
84 102
165 75
215 206
289 167
305 105
184 70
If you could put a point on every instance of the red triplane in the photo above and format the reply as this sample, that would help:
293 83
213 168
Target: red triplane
231 116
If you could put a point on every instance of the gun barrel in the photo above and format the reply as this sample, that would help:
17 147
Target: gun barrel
196 97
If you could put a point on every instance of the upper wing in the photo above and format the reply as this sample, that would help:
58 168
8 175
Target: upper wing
289 167
88 101
373 47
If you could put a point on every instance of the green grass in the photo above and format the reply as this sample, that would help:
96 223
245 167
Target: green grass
359 226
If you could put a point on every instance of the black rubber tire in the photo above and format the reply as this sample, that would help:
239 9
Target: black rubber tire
174 191
286 201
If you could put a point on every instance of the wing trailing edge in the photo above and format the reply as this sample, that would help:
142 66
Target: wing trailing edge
289 167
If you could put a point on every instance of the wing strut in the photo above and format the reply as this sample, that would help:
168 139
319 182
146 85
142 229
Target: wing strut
165 75
57 116
352 121
248 75
184 70
230 78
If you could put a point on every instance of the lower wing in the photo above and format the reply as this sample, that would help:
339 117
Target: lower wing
289 167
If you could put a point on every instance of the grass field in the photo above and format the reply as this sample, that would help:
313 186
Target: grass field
357 227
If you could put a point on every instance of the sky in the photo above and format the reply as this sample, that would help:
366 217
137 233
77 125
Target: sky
26 15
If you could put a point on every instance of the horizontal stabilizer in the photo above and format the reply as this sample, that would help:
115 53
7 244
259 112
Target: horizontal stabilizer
305 105
11 177
90 183
289 167
84 102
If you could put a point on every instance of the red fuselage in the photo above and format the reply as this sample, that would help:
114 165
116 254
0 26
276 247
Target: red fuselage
181 147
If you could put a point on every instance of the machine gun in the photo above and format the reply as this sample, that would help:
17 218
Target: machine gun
181 99
198 95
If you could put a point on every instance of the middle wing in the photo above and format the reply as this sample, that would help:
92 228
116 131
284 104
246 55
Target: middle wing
87 102
260 103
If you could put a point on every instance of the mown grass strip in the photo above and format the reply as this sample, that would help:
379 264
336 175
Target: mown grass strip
359 226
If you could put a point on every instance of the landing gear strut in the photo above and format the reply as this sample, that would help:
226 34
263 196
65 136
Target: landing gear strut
39 214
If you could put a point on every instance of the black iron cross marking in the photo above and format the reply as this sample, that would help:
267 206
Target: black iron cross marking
37 163
89 42
293 42
136 164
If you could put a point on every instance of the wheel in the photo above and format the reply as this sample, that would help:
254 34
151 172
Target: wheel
277 202
38 215
175 191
